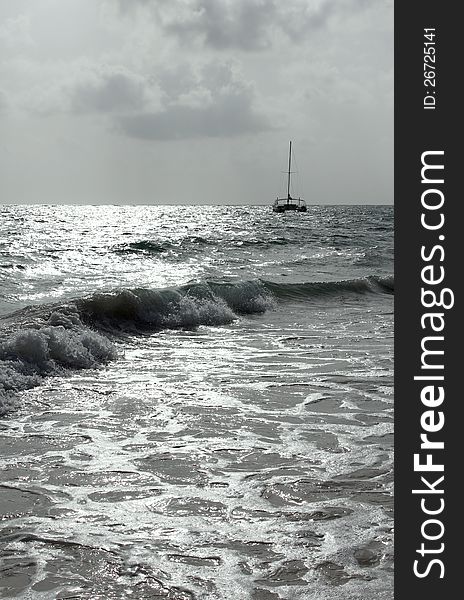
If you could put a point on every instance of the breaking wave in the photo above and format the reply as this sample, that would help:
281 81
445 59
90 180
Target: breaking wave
191 305
53 339
51 348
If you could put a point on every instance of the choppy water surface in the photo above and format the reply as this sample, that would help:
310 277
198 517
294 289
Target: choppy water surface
197 403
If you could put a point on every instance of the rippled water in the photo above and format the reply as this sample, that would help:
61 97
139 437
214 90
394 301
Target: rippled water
197 402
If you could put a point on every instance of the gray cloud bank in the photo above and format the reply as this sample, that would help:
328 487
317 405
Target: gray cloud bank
107 92
181 102
93 91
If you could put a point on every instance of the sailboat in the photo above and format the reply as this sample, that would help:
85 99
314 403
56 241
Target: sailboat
283 204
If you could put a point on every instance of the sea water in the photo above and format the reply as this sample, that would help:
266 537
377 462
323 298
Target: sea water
196 402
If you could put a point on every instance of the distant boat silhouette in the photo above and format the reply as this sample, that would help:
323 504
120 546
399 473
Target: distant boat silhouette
283 204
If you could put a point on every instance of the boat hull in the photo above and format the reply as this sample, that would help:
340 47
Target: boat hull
281 208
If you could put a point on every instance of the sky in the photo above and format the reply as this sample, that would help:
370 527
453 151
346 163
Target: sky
195 101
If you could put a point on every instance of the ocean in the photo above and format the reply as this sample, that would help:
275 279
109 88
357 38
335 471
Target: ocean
197 402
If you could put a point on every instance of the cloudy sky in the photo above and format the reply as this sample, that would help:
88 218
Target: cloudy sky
194 101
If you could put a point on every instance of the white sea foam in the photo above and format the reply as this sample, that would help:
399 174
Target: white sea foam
28 355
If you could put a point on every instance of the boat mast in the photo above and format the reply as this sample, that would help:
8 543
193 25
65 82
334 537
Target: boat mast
289 171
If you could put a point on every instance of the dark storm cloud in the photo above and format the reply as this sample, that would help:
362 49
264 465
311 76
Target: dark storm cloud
106 92
198 101
244 24
227 116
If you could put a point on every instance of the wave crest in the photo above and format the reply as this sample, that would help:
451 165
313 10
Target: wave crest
318 289
53 339
191 305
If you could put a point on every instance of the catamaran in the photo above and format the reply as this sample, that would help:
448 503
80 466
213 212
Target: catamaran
283 204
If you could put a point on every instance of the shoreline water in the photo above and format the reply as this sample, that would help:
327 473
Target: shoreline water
250 455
